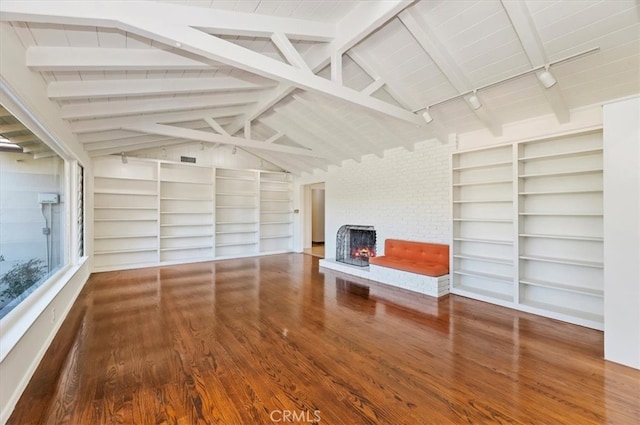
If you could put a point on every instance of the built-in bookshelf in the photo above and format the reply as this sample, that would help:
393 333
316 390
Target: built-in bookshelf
528 226
237 203
125 214
186 213
158 212
276 221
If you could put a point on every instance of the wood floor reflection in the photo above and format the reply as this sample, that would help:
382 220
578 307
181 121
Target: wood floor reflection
261 340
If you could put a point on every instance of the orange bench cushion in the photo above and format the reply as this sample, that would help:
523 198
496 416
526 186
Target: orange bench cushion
430 259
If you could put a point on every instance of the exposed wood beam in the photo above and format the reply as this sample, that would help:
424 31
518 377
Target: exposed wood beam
105 124
289 51
368 65
359 23
275 137
423 34
96 89
130 148
105 109
217 127
78 59
527 33
375 85
215 21
10 128
203 136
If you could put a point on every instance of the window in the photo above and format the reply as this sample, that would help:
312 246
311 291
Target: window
32 221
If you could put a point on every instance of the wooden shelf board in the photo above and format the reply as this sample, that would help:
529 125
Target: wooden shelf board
275 237
236 222
488 276
247 179
563 237
126 208
562 173
125 178
186 182
186 225
124 251
191 236
481 166
485 220
484 182
107 220
481 258
562 287
227 207
124 236
567 261
120 192
489 241
236 244
236 233
560 192
186 213
577 152
187 199
484 201
187 248
276 222
482 292
591 317
239 194
562 214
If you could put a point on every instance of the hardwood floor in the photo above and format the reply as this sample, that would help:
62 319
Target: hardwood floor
272 340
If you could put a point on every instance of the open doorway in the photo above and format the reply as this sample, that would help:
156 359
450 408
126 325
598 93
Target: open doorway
314 220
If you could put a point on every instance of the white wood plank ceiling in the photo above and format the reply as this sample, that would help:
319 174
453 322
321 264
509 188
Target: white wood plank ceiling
308 83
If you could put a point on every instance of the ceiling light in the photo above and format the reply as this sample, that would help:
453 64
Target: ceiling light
427 116
124 158
474 101
235 149
547 79
7 146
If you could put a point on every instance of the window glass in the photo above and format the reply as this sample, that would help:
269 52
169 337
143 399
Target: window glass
32 217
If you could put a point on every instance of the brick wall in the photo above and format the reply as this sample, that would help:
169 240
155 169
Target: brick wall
404 194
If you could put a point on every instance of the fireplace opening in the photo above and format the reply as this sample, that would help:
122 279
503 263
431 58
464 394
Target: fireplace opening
355 244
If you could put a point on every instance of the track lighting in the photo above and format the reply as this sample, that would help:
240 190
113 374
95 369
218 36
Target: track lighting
234 151
427 116
124 158
474 101
546 78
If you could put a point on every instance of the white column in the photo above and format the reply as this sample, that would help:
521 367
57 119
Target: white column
621 122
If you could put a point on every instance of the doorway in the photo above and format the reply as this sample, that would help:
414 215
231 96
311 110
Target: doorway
314 220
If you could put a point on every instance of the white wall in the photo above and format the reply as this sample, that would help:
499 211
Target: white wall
403 195
622 232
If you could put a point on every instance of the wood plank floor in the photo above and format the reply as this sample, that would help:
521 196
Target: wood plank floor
273 340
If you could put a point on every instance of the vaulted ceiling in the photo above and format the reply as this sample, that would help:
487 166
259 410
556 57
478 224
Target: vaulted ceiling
308 83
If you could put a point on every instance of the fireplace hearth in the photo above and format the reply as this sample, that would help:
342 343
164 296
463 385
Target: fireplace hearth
355 244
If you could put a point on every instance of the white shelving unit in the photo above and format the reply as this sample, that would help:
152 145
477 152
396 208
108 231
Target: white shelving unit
528 226
150 212
482 254
276 209
125 214
186 213
237 198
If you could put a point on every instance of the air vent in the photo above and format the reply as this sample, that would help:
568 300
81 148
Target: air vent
189 159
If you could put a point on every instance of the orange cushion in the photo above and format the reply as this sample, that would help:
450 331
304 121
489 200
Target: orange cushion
418 257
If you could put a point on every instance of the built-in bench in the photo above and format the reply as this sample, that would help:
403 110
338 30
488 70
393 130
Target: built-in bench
418 266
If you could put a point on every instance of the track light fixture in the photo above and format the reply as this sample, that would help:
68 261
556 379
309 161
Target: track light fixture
546 78
124 158
474 101
427 116
234 150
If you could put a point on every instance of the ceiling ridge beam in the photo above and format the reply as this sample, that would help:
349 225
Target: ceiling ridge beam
104 109
373 87
430 43
96 89
203 136
223 22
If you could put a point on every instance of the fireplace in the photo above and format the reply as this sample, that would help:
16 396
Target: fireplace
355 245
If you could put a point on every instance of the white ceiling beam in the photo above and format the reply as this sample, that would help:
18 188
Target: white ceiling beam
358 24
527 33
215 21
336 68
96 89
366 62
118 135
125 143
203 136
131 148
106 109
106 124
23 139
10 128
287 164
289 51
217 127
430 43
78 59
247 130
4 112
375 85
217 49
275 137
